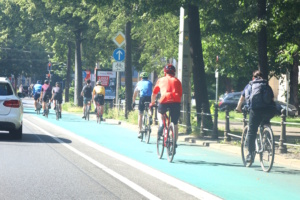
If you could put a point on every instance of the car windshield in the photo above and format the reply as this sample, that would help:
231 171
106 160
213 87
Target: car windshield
5 89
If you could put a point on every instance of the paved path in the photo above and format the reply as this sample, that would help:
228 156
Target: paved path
217 171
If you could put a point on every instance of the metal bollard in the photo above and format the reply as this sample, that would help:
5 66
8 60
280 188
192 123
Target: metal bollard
227 137
188 119
215 129
282 147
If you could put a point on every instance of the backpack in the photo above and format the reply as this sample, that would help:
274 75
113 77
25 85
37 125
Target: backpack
259 94
87 92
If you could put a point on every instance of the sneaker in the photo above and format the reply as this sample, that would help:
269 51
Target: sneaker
139 135
250 157
160 130
83 117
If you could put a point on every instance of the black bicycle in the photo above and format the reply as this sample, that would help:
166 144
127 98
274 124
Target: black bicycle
264 146
146 126
57 111
46 111
87 110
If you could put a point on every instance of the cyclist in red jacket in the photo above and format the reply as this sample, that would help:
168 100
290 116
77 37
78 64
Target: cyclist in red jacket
170 89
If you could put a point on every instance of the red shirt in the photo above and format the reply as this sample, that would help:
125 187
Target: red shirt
170 89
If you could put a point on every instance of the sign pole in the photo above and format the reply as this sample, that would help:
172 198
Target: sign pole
117 89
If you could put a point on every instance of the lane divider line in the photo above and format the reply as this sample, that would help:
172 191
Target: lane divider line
121 178
181 185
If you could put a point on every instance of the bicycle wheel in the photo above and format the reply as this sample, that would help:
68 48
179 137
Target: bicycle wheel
98 115
147 134
87 110
160 145
144 128
171 142
244 147
268 149
57 111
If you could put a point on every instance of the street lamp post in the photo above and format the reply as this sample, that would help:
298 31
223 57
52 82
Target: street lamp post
215 128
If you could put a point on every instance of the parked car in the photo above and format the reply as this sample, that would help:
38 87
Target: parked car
232 99
11 109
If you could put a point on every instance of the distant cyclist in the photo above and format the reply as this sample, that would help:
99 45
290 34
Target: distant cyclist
36 92
170 89
46 94
57 92
87 94
144 87
98 96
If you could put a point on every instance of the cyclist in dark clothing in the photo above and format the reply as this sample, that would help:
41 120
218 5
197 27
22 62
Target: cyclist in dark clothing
87 94
260 112
57 92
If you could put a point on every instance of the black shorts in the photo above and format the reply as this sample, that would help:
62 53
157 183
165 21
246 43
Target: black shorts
174 110
58 97
46 97
99 98
142 103
36 96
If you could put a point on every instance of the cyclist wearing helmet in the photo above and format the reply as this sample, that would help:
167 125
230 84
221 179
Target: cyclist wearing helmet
46 94
57 92
98 96
37 88
144 87
87 94
170 89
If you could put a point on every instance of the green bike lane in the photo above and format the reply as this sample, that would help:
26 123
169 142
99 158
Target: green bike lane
217 172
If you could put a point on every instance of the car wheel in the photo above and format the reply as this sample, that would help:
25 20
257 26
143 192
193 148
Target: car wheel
17 134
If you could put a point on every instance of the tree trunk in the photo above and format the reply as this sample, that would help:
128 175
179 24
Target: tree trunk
294 82
78 101
199 77
128 70
262 40
68 73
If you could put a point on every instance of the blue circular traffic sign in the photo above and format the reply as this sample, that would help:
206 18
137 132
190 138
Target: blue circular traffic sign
119 54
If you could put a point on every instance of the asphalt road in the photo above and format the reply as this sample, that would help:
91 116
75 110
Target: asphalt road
77 159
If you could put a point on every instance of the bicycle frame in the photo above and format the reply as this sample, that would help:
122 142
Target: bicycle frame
166 122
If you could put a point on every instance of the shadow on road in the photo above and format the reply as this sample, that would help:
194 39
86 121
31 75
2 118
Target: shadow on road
32 138
210 163
282 170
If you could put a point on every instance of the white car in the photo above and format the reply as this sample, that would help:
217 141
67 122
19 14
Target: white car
11 109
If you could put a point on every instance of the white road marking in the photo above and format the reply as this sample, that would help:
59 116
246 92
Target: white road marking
185 187
121 178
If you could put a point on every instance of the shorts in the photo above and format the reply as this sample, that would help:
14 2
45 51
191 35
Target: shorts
46 97
58 97
142 103
174 110
36 96
86 99
99 98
